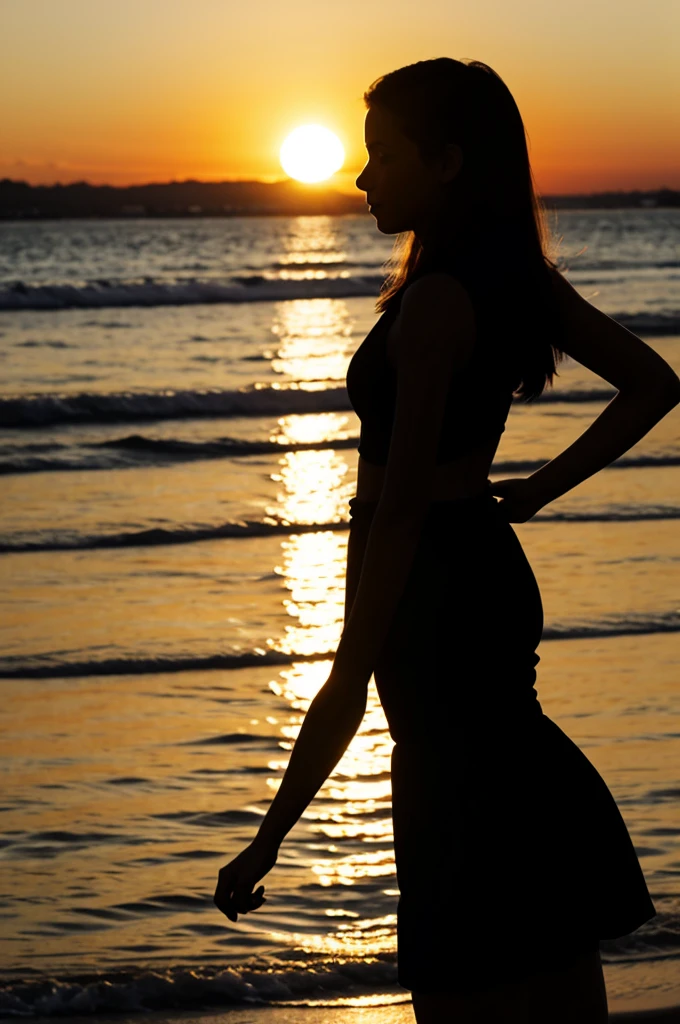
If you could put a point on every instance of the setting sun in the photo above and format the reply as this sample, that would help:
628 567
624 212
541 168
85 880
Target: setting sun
311 153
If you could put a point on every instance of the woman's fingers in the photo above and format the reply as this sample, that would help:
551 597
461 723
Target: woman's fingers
242 898
242 901
234 896
226 884
236 880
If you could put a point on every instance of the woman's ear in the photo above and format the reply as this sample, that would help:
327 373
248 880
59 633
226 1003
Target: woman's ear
451 161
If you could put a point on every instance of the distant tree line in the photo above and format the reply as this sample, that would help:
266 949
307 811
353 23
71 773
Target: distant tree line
19 200
173 199
663 197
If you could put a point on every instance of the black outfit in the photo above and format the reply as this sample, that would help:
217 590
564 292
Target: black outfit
511 853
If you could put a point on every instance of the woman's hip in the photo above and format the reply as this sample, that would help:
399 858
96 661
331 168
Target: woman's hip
470 585
466 626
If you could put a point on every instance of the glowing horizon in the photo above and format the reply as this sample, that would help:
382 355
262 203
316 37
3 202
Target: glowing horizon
146 92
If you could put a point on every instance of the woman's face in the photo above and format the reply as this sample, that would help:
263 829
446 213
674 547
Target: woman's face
404 193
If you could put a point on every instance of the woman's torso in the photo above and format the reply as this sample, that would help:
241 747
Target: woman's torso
463 476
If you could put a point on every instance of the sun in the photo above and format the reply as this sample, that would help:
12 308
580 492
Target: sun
311 153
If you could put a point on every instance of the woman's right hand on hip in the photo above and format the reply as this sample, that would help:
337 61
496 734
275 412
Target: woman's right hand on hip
519 500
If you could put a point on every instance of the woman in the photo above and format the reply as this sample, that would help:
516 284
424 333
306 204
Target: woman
502 826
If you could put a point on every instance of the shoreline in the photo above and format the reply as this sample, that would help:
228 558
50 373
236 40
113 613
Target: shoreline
399 1013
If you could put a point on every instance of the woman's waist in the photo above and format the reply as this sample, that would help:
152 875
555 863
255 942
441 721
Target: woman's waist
459 478
462 504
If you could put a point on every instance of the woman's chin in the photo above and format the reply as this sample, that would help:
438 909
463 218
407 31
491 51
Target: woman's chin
388 225
382 222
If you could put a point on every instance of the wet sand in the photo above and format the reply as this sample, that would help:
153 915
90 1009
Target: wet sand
662 1012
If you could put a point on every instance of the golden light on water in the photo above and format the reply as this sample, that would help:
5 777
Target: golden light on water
312 250
192 758
350 819
311 153
313 339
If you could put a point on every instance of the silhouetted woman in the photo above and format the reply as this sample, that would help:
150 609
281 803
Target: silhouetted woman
512 857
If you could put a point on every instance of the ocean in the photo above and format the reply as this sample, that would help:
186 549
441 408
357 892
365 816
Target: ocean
177 454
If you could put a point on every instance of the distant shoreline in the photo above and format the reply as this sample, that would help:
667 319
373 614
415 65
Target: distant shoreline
287 198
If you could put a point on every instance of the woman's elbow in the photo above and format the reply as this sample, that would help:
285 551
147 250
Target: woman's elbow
663 390
341 702
673 389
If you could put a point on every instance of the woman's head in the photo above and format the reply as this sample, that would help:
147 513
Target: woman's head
448 169
454 127
405 191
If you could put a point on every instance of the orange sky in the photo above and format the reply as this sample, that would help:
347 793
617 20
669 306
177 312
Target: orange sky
123 91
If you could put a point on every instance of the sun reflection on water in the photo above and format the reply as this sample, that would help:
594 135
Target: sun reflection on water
312 240
311 428
367 938
350 819
314 337
312 487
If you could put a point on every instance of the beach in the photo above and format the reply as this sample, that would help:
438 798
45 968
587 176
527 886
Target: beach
382 1015
177 453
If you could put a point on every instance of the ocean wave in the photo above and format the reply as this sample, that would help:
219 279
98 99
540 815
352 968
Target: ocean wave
138 451
632 624
129 406
578 264
49 667
259 399
103 294
294 978
155 536
108 294
190 987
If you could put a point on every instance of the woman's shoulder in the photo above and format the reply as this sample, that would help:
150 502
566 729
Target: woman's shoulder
440 287
450 265
435 308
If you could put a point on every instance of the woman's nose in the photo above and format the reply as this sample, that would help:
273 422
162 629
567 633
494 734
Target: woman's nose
361 181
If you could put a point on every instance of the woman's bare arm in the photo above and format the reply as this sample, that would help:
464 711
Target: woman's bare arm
329 725
333 718
648 389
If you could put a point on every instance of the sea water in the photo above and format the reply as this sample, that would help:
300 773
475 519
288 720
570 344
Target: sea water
177 453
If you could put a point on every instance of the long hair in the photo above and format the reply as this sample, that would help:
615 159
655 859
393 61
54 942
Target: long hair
503 235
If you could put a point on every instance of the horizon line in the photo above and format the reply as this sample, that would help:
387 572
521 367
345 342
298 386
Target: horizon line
286 179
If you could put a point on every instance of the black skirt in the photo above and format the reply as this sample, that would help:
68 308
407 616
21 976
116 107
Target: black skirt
511 853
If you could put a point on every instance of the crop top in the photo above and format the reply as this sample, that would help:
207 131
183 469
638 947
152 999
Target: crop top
477 404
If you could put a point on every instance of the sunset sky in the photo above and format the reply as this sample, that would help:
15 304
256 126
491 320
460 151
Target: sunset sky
127 91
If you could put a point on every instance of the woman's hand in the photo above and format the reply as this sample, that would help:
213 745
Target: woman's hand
234 893
519 499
